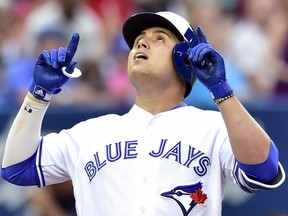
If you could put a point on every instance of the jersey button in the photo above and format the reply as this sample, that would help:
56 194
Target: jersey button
145 180
143 211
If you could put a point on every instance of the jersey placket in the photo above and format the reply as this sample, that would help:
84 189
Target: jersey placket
145 177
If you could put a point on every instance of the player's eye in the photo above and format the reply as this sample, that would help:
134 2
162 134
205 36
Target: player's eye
159 38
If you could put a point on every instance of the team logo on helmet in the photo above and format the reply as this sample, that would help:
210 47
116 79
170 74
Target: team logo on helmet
187 196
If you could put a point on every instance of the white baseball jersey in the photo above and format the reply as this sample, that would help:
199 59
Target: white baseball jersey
168 164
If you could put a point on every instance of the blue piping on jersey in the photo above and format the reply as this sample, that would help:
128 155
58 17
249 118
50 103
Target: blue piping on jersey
180 105
39 163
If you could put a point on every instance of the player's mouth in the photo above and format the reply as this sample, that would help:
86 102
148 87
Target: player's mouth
140 56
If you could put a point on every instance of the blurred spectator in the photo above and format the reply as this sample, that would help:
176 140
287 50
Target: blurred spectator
281 48
112 13
122 9
70 16
11 30
254 44
11 26
160 5
281 91
118 85
151 5
212 17
88 91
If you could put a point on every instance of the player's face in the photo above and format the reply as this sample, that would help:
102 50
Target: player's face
150 60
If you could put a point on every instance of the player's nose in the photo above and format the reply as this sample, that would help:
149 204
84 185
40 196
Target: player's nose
143 42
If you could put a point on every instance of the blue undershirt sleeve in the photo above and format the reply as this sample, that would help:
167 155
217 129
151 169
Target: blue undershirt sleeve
23 173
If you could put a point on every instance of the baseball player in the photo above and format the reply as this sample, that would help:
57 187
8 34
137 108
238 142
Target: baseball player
162 157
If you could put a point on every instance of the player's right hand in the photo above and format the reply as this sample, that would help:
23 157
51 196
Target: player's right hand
47 76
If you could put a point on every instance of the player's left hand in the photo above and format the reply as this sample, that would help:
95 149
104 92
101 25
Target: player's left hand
208 66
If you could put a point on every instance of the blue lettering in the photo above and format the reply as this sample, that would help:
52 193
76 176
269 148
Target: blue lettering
90 170
118 154
192 155
130 149
174 151
99 164
116 151
202 169
161 149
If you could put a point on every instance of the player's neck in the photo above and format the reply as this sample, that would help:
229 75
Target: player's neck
155 105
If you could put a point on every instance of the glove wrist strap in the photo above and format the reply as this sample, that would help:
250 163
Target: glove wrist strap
39 92
221 90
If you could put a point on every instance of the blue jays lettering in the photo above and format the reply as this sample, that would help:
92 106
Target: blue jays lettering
128 150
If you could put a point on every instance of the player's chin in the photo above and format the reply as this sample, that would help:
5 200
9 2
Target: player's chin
140 75
136 69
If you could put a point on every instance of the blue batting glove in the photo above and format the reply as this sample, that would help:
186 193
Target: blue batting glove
208 66
48 77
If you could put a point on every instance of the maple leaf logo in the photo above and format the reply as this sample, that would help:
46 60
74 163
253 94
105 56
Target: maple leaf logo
198 197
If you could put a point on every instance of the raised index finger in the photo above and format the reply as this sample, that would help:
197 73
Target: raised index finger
72 47
201 36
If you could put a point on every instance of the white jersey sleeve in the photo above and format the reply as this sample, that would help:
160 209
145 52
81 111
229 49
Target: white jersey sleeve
58 153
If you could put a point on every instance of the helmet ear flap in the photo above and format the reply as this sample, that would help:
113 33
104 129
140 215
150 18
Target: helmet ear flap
181 61
183 65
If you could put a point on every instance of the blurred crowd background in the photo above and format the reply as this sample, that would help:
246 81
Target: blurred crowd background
251 35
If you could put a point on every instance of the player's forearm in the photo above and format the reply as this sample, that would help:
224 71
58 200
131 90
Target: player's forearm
24 135
249 142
